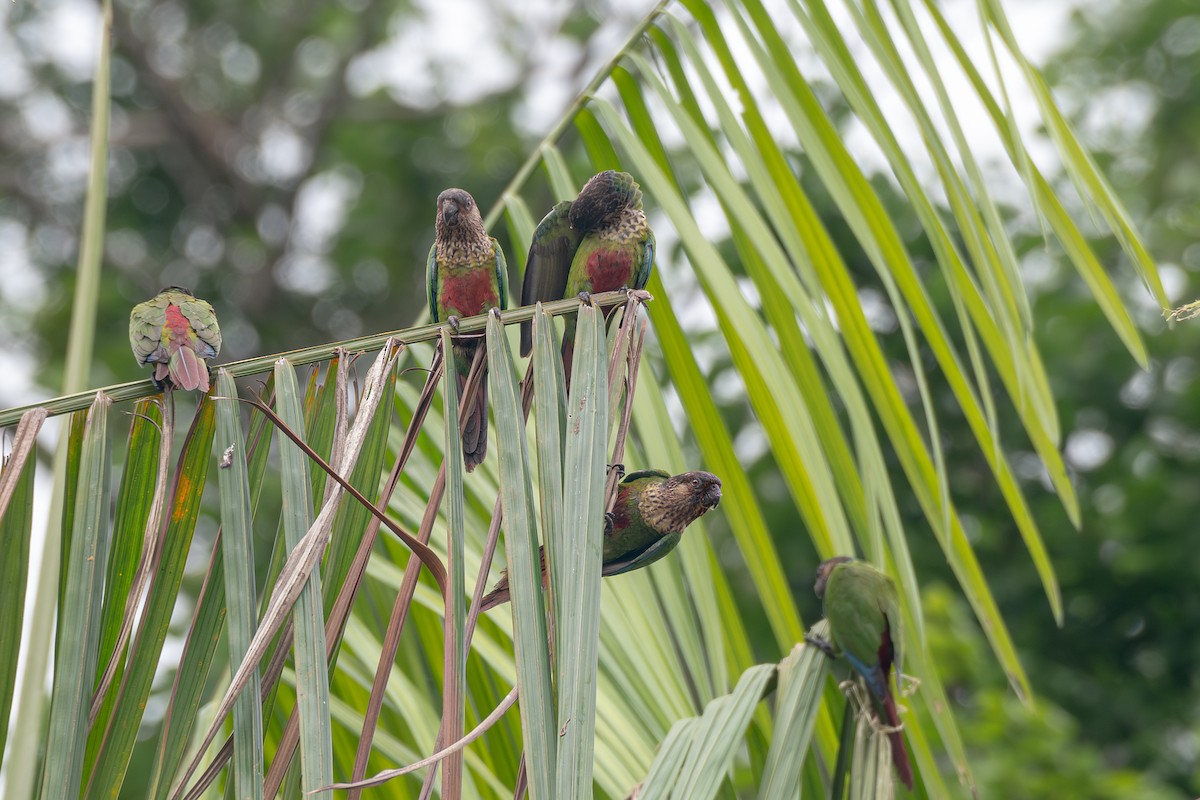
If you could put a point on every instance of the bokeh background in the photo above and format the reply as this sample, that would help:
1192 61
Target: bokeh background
282 159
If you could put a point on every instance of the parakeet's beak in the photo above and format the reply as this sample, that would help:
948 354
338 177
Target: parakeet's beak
449 211
712 492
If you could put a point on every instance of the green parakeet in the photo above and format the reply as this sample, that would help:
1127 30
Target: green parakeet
863 610
177 332
599 242
466 275
646 522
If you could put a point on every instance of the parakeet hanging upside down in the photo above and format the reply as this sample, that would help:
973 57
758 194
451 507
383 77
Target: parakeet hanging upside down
600 242
466 275
177 332
646 522
863 610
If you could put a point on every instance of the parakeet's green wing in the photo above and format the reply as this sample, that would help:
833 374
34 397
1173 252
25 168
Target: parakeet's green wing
145 327
857 601
501 275
891 607
549 262
431 283
643 558
641 275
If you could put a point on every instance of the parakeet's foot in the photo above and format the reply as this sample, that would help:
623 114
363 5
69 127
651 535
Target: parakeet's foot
585 298
821 644
453 322
619 469
609 521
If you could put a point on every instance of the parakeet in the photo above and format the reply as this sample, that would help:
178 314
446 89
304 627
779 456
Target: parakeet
177 332
646 522
599 242
466 275
863 610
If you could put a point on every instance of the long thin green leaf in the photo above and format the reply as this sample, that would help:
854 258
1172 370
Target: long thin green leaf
16 527
237 529
722 727
76 665
797 701
454 661
754 541
524 573
208 620
312 676
784 299
191 678
578 595
190 473
140 504
918 464
70 501
876 232
664 772
1050 206
784 414
1080 165
549 400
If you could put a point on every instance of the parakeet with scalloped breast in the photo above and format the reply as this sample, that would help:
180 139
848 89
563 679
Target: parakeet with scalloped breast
599 242
466 275
176 332
862 607
646 523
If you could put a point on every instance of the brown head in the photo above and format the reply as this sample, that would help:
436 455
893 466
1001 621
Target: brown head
180 289
671 504
458 217
824 570
602 200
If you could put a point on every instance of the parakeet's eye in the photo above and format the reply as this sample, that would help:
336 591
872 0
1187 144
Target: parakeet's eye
468 202
696 482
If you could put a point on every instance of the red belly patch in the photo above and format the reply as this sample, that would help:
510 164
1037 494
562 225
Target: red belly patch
468 294
176 322
609 270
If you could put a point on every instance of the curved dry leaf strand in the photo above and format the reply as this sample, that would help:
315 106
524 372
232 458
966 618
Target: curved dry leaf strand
408 584
480 729
24 443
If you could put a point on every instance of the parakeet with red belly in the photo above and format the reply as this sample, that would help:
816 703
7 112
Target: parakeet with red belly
466 275
646 522
176 332
599 242
863 610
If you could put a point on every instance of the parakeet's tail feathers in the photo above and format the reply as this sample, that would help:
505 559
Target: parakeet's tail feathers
888 703
475 427
187 370
499 595
496 597
896 737
568 355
